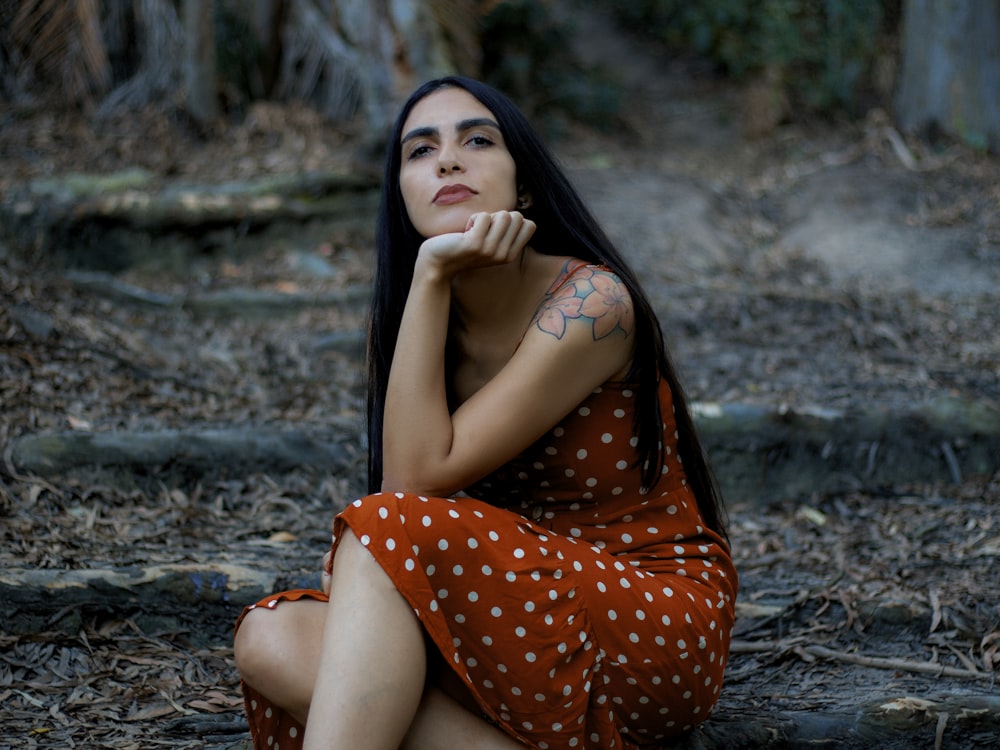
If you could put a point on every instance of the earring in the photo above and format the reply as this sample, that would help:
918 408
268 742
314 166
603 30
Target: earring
522 202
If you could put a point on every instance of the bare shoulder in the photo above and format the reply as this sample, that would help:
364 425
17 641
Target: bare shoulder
587 295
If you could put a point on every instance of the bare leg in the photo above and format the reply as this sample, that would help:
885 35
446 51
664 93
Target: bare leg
372 664
444 724
277 652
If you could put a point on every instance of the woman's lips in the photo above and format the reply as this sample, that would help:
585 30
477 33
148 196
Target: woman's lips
453 194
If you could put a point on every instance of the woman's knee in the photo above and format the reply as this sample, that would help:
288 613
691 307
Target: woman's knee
250 643
286 634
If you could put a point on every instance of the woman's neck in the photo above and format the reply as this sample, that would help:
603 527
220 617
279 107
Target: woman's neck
486 298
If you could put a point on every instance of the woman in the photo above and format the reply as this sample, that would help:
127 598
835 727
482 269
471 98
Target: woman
542 559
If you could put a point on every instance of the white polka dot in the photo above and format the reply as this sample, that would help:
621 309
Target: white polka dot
390 544
426 520
606 438
442 544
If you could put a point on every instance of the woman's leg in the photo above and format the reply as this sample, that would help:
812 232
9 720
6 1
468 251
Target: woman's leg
372 664
442 723
277 652
282 654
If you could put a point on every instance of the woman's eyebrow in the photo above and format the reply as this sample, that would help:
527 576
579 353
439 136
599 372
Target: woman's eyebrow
476 122
462 125
425 132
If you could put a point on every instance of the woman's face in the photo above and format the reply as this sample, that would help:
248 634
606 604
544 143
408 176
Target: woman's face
454 163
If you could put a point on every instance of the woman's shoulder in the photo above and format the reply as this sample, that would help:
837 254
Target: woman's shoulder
572 269
591 293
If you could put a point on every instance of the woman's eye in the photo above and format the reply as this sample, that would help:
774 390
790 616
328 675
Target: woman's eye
417 152
480 140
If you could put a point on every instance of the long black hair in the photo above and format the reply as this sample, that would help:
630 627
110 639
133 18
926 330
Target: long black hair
564 227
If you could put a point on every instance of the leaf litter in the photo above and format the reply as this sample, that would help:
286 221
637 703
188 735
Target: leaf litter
889 593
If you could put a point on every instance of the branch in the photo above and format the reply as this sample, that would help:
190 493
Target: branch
877 662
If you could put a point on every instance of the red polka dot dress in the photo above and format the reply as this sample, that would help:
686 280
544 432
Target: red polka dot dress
580 611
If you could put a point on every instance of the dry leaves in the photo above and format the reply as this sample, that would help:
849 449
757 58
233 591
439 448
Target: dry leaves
109 685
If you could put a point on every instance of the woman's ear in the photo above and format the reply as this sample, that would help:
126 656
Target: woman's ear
524 199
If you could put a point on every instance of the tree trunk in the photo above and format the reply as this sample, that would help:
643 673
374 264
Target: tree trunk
950 76
199 61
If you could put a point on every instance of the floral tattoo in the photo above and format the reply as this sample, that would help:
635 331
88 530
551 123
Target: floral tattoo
586 292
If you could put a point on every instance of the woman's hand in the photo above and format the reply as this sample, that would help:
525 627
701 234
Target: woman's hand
489 239
327 571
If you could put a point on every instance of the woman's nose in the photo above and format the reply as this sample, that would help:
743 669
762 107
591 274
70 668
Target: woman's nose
448 161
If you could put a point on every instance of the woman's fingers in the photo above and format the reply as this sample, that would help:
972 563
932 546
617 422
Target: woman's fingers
327 571
508 233
489 239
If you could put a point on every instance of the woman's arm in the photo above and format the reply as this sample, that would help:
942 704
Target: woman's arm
579 339
418 426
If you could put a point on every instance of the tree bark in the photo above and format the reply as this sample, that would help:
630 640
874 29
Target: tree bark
199 61
950 75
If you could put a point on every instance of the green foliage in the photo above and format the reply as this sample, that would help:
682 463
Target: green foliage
823 48
527 54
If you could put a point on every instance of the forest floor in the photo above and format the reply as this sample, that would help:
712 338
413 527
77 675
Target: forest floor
820 267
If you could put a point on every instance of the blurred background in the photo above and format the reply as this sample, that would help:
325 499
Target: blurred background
932 65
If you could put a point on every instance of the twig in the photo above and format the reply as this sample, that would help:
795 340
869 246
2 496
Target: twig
878 662
952 459
942 722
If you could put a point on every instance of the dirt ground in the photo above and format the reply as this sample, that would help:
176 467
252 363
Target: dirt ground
826 264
